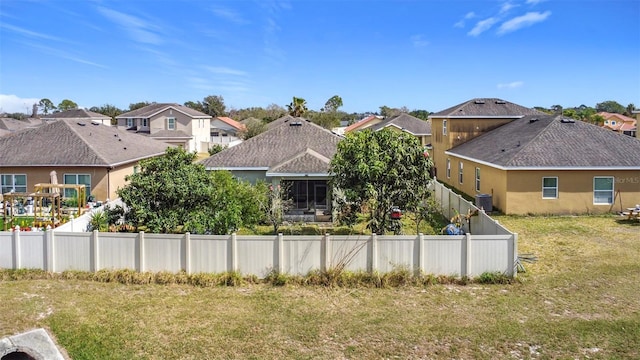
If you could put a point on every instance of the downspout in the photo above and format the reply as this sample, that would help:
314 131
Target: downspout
108 183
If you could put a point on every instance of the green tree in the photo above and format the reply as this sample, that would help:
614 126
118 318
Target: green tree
388 112
630 109
138 105
297 107
420 114
333 104
377 170
108 110
46 105
214 105
327 120
215 148
67 104
610 106
194 105
172 194
253 127
275 204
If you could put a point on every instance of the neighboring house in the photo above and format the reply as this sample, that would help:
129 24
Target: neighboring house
81 152
620 123
172 123
410 124
279 121
364 123
463 122
546 164
10 125
226 131
297 154
78 115
636 113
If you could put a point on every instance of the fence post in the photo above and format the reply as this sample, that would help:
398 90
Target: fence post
95 250
49 236
16 247
233 253
325 252
373 254
280 253
420 249
514 257
141 251
467 253
71 222
187 253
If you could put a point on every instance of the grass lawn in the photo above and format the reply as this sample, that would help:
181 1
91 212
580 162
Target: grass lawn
579 300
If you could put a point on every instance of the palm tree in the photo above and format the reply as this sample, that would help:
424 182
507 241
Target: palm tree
298 107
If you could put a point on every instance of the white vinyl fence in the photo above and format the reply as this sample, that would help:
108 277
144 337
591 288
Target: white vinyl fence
458 255
487 247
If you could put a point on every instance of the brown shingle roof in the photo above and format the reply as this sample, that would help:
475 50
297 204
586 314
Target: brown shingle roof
286 147
486 107
81 143
552 142
406 122
155 108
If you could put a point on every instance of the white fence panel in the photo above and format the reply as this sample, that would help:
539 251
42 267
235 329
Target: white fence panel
491 253
72 251
256 254
32 250
444 255
118 251
301 254
396 252
163 252
350 251
210 253
6 250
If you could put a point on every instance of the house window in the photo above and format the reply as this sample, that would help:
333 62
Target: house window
448 168
171 123
613 123
460 168
444 127
603 190
477 179
13 182
129 122
136 169
549 187
215 133
145 122
77 179
224 134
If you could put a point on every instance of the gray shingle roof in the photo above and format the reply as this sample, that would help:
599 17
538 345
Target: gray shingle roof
407 122
486 107
152 109
280 121
10 125
75 114
296 146
81 143
550 142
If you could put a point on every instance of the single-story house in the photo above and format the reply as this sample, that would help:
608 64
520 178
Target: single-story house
296 153
171 123
78 115
419 128
81 152
226 131
546 164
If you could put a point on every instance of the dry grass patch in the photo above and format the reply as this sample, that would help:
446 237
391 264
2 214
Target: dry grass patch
579 300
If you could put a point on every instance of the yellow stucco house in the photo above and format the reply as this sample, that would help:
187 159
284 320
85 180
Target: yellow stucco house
527 162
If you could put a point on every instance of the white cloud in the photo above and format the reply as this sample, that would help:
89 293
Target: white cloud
418 41
14 104
229 15
64 55
482 26
534 2
467 16
221 70
520 22
138 29
511 85
29 33
506 7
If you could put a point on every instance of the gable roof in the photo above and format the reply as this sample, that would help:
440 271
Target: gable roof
75 114
10 125
360 123
551 142
229 121
279 121
156 108
485 108
624 123
295 146
406 122
82 143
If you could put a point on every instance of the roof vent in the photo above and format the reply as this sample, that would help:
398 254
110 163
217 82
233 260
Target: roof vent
567 121
295 123
500 102
479 102
81 124
533 120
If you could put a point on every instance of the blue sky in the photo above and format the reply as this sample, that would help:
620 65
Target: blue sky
420 54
